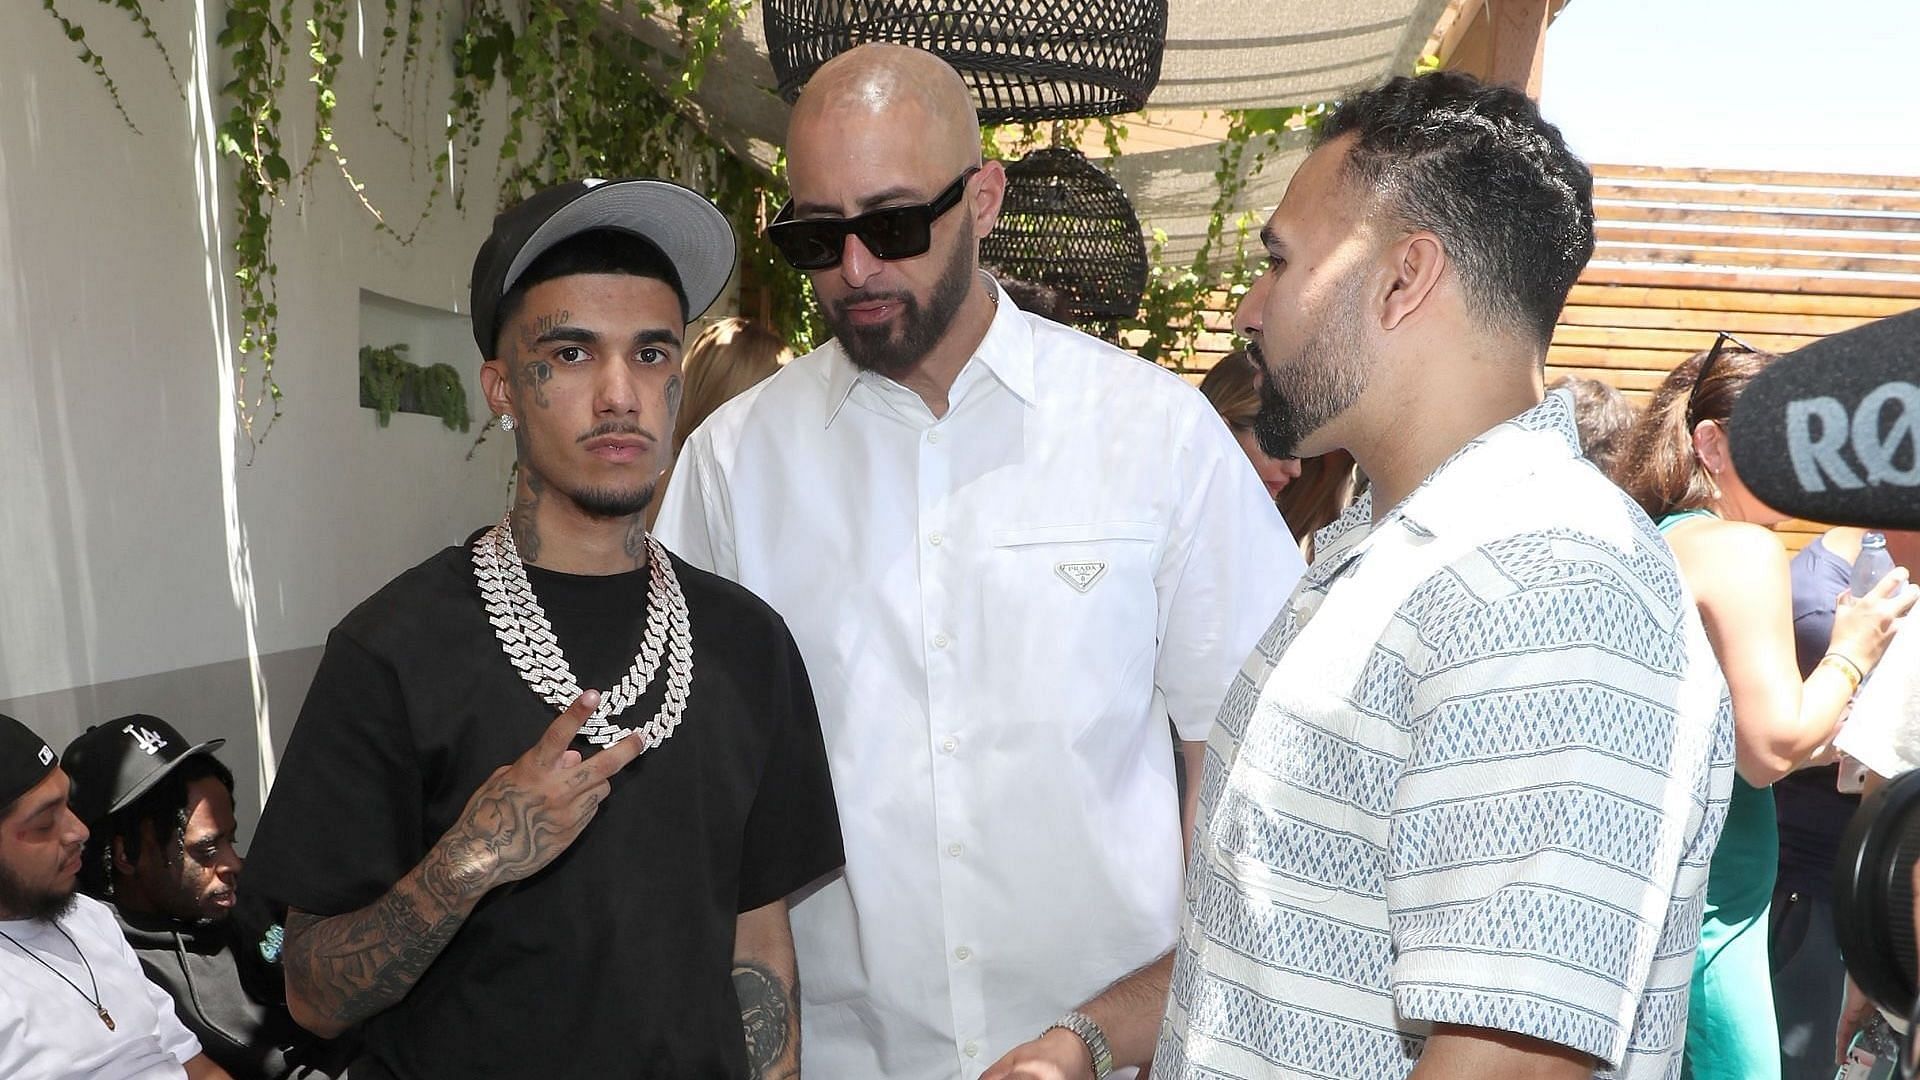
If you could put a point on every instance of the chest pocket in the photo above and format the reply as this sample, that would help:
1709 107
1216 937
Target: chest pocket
1077 616
1079 558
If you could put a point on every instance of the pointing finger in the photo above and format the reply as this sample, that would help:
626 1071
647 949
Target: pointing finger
561 732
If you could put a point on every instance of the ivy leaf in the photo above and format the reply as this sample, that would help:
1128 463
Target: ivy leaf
276 168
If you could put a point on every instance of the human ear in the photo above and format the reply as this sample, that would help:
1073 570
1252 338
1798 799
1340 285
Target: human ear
1414 265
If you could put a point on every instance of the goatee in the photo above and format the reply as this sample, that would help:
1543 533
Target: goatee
898 346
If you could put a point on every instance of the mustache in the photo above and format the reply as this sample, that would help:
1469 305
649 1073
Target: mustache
1258 355
617 427
865 297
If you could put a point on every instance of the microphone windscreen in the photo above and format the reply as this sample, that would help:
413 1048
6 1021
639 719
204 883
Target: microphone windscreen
1828 431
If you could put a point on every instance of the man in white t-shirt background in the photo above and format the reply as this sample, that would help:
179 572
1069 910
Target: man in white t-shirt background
73 1000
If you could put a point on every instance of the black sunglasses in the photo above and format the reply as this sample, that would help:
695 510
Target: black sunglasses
1720 343
893 232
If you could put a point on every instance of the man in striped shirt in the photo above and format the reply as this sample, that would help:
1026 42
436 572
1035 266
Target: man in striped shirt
1458 806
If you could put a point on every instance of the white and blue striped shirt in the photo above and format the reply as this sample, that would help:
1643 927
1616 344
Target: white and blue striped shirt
1472 775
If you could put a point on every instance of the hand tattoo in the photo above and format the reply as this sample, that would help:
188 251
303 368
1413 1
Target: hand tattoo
766 1012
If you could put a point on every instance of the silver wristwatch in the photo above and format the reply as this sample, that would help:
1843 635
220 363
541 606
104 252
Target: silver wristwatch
1084 1029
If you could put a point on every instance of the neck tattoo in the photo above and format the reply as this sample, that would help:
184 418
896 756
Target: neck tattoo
520 625
92 999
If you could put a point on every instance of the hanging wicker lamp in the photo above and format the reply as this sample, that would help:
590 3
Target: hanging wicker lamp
1066 225
1027 60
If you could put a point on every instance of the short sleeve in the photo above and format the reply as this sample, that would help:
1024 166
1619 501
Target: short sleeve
793 829
344 819
1536 830
1228 566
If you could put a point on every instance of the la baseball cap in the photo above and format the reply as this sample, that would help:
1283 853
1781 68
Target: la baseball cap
25 760
688 229
114 763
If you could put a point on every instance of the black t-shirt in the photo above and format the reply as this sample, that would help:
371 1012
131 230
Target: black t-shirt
614 961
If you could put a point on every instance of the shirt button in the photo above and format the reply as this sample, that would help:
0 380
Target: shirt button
935 539
962 953
972 1049
955 850
939 641
949 744
934 437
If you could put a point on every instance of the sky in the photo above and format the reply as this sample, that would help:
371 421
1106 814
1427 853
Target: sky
1799 85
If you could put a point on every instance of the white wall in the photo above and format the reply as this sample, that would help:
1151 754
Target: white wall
132 527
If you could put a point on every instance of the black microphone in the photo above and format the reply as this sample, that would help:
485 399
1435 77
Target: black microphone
1831 431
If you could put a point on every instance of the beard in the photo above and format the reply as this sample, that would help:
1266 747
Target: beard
601 502
875 348
612 502
25 902
1322 380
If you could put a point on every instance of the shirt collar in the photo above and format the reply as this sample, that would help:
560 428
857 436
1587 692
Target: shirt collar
1006 352
1481 469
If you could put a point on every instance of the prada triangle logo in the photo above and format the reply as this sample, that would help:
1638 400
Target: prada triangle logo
1081 575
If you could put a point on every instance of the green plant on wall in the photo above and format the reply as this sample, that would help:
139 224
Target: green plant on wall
390 383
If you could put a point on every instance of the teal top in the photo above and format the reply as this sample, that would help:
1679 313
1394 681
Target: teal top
1731 1034
1740 880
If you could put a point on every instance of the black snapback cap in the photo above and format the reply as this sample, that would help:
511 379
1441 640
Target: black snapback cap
25 760
687 228
114 763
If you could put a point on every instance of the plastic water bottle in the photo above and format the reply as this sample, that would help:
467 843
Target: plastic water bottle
1873 1053
1873 563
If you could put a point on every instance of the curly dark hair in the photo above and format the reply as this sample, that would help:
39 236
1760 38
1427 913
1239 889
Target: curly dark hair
1478 167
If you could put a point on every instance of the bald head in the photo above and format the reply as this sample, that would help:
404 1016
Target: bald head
907 91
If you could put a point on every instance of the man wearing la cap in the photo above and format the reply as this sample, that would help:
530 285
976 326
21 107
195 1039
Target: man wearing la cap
495 891
73 1000
162 855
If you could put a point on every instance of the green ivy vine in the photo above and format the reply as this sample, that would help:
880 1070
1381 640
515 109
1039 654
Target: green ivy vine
580 101
1173 309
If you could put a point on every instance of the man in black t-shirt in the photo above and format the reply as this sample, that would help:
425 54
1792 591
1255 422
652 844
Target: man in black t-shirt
612 901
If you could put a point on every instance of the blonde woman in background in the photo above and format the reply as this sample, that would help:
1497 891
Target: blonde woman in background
1310 493
725 359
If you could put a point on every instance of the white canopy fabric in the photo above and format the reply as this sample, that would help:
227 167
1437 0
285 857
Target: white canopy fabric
1220 54
1249 54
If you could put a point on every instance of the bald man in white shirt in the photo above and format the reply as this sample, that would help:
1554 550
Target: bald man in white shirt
1011 554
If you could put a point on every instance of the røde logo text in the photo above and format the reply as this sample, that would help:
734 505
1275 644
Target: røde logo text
1881 433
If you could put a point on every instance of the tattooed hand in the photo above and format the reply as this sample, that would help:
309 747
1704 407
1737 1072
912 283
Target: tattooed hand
528 812
342 969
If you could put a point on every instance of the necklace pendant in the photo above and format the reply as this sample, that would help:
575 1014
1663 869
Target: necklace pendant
106 1017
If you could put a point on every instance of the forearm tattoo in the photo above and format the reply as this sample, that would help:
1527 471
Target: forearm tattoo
770 1013
350 967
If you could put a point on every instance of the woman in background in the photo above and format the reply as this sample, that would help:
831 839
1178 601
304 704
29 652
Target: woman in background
1678 468
1310 493
725 359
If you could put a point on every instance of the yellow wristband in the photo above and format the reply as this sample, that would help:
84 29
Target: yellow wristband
1847 668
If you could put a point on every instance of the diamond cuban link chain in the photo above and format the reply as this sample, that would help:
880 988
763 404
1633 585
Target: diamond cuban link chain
520 625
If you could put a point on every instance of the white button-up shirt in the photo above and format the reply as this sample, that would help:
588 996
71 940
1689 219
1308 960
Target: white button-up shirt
1000 610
